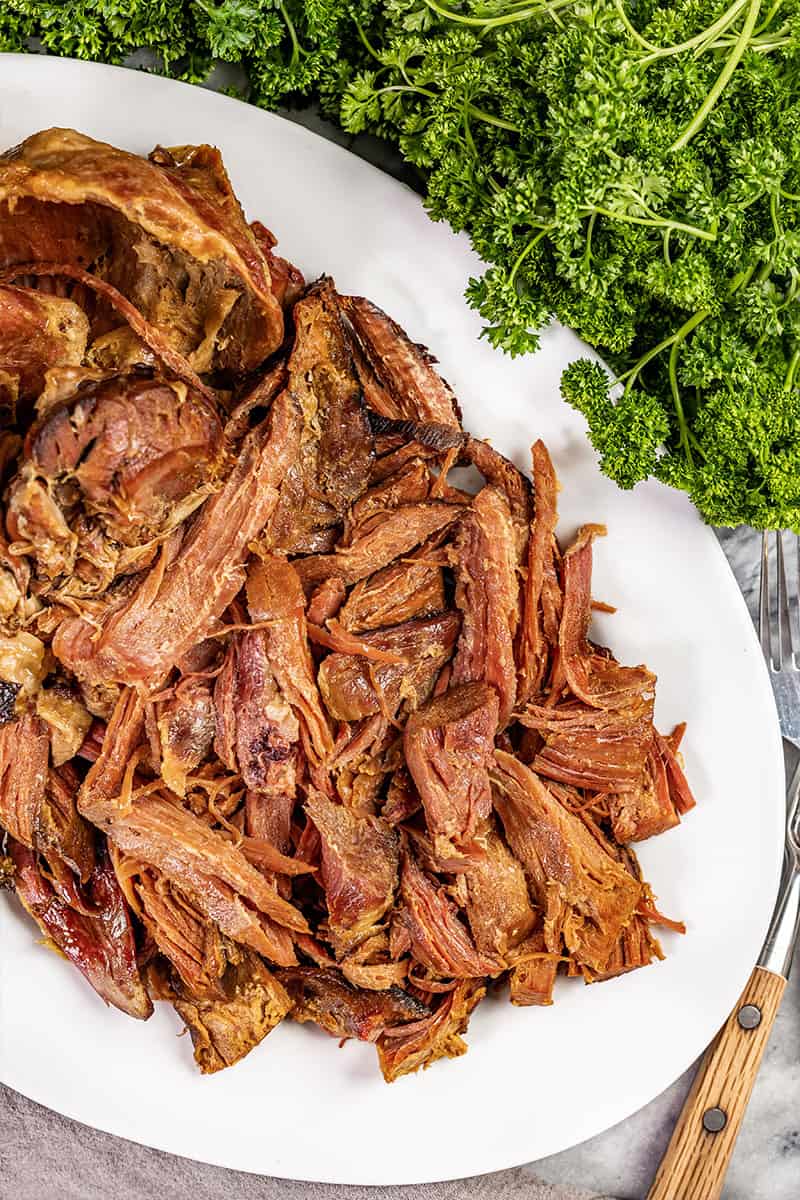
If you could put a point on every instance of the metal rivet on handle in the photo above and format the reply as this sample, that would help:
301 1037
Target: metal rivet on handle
749 1016
714 1119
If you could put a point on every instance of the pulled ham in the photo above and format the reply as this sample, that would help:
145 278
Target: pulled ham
291 725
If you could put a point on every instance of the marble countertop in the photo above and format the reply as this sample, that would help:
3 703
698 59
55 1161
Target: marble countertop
619 1163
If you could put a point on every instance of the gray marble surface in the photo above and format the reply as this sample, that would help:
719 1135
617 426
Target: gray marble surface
619 1163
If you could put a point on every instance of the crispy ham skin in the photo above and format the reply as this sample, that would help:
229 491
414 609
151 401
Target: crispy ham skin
142 219
292 726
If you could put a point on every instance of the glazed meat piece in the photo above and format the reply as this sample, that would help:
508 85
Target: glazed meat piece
403 1051
193 945
533 977
275 597
404 528
404 370
97 936
658 800
487 593
498 906
176 604
256 730
336 450
593 748
37 332
395 594
360 860
354 687
537 636
184 726
61 832
439 941
223 1030
410 485
595 678
168 233
38 802
213 872
24 758
101 793
500 473
448 745
322 996
132 445
587 898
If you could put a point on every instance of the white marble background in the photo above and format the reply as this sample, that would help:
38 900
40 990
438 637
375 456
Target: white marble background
44 1154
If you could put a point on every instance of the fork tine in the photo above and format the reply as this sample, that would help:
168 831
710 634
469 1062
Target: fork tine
764 631
785 639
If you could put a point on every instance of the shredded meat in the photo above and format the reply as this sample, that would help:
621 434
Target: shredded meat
61 189
322 996
448 746
95 933
176 603
487 593
354 687
292 725
586 897
360 860
223 1030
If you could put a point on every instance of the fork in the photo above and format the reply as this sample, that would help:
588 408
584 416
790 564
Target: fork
695 1162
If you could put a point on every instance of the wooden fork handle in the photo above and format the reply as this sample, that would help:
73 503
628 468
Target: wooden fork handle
695 1162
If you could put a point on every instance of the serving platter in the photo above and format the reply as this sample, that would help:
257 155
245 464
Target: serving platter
535 1081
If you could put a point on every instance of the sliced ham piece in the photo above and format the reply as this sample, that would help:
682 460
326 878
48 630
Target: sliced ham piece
448 746
97 936
360 860
587 898
484 559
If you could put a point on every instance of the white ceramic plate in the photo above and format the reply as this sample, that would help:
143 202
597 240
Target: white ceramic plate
535 1081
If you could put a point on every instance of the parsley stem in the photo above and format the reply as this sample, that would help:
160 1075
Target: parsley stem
534 241
490 119
680 338
367 43
700 117
682 333
292 34
655 223
768 18
794 362
512 18
699 40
